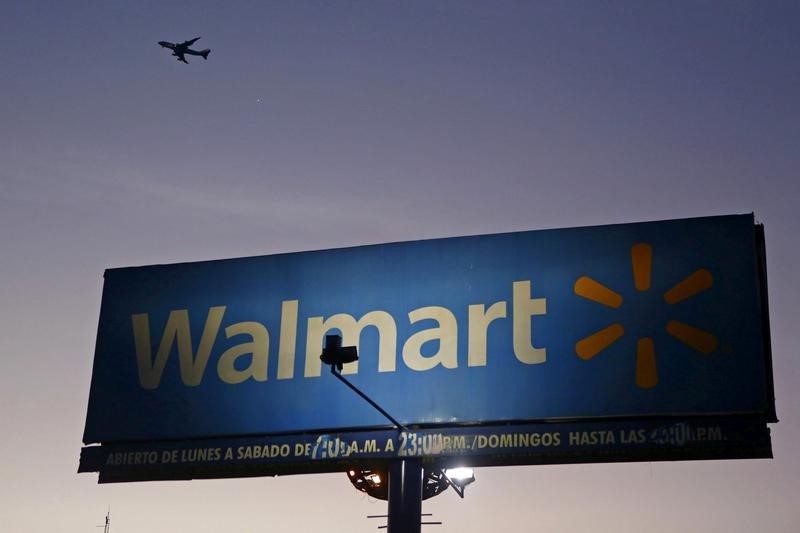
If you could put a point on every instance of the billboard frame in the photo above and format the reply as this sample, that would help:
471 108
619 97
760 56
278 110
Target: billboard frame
735 445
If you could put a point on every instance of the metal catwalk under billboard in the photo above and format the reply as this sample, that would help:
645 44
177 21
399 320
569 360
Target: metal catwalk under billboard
630 322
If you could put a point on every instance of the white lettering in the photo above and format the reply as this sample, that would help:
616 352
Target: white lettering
192 368
446 334
258 349
525 308
479 320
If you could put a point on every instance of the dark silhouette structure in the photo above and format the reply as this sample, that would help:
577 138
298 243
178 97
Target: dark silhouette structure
181 49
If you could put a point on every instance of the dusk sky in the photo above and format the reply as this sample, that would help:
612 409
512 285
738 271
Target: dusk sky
328 124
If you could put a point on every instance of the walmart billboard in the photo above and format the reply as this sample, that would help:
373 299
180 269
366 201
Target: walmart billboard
656 320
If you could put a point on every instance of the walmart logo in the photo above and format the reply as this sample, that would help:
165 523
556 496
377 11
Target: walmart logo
646 368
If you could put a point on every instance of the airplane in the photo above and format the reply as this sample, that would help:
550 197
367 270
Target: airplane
180 49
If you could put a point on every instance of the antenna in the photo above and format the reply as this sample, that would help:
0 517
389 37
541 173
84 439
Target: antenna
107 526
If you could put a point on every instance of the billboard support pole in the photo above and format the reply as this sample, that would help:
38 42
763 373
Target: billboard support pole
405 496
405 479
405 475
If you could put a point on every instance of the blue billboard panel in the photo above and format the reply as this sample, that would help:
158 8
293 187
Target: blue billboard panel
656 319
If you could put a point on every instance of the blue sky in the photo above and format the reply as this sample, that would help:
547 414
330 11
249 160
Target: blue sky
325 124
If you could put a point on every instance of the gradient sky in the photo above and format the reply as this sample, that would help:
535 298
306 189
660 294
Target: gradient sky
326 124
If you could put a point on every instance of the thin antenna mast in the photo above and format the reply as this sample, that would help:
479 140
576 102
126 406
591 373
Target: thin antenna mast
107 526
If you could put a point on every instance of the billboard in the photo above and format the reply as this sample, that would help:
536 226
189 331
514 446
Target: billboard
641 328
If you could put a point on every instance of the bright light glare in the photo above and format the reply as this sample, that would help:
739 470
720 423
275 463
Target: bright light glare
460 473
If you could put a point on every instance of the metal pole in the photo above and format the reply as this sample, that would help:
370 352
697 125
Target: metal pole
369 400
405 496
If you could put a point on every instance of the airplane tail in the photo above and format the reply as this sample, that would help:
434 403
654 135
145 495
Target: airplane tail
204 53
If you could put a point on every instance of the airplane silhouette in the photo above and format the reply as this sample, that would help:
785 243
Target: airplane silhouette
180 49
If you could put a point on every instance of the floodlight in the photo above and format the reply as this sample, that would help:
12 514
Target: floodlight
459 478
371 482
461 474
374 481
335 354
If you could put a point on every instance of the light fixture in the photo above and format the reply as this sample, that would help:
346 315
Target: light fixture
335 354
459 478
461 474
373 481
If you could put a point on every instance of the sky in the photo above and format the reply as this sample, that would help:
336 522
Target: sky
338 123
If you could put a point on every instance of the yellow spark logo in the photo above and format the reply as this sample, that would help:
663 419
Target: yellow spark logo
646 370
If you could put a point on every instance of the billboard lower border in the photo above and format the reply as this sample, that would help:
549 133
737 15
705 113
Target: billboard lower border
737 437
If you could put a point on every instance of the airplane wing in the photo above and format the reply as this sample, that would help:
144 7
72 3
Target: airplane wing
190 42
182 58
